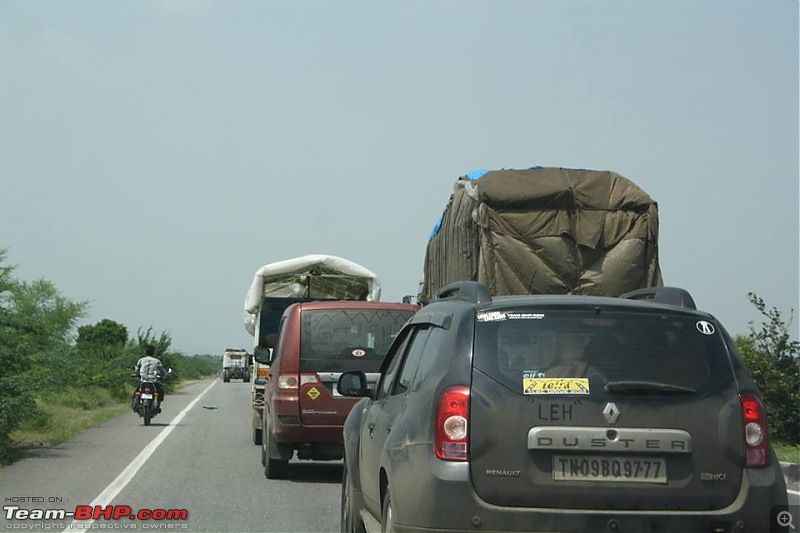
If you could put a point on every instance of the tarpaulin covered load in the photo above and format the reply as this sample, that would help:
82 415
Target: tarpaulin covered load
545 231
319 277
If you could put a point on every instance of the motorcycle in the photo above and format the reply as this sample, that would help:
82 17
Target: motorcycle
145 400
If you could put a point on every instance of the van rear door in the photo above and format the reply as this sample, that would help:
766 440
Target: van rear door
333 341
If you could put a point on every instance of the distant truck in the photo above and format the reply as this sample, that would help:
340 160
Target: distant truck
235 365
545 230
278 285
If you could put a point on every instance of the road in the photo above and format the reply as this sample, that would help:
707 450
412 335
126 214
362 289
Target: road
197 456
207 465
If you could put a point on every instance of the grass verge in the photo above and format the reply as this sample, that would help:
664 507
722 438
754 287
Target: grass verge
67 414
62 416
789 453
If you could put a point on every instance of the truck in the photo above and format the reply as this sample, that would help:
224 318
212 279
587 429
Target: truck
235 365
278 285
544 230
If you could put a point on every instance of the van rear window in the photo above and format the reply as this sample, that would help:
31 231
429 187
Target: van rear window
348 339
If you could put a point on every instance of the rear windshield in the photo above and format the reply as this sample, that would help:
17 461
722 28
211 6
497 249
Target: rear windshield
348 339
519 347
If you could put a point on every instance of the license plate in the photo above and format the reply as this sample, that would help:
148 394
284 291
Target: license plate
616 469
147 396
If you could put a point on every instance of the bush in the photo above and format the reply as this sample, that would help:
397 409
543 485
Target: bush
772 358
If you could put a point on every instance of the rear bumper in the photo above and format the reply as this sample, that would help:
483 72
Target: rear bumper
287 428
298 434
440 497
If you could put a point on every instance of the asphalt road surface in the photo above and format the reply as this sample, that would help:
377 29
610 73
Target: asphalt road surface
206 464
196 459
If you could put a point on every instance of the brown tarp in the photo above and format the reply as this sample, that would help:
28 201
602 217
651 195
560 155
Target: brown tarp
546 231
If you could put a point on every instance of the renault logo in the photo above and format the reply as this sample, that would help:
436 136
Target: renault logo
611 412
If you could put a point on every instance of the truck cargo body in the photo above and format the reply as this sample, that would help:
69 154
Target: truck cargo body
545 231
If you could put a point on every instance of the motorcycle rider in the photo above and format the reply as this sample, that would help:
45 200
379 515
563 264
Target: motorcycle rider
150 369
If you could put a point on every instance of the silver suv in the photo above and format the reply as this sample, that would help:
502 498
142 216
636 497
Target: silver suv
559 413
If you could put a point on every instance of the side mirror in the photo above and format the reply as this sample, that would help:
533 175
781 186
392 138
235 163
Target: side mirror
268 341
262 355
353 384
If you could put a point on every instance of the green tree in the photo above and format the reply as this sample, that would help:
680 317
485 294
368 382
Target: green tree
161 344
104 333
36 323
41 304
16 401
773 360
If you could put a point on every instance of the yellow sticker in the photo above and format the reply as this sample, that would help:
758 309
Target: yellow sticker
313 393
555 385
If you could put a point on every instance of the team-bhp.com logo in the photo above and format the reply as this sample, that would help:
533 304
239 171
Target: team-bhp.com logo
87 512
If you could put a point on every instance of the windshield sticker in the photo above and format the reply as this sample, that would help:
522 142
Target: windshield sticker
359 353
497 316
536 385
532 374
525 316
491 316
706 328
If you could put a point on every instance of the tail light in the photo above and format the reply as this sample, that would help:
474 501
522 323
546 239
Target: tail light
755 431
295 381
452 419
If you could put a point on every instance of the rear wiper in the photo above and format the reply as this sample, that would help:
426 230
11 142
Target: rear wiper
646 386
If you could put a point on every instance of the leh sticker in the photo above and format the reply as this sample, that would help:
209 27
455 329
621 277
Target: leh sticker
538 385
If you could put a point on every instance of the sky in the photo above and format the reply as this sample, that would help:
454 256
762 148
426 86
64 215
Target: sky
155 154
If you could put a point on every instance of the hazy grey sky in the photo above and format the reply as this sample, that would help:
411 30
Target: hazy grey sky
155 154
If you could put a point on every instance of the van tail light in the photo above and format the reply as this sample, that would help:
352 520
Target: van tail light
294 381
452 419
756 447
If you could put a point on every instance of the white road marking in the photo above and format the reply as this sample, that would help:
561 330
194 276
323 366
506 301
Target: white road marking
116 486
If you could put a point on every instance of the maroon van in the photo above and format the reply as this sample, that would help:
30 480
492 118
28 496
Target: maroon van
317 342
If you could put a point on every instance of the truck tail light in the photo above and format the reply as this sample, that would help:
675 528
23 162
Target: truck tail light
452 420
756 447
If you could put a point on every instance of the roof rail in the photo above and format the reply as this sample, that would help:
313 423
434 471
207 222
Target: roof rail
471 291
665 295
